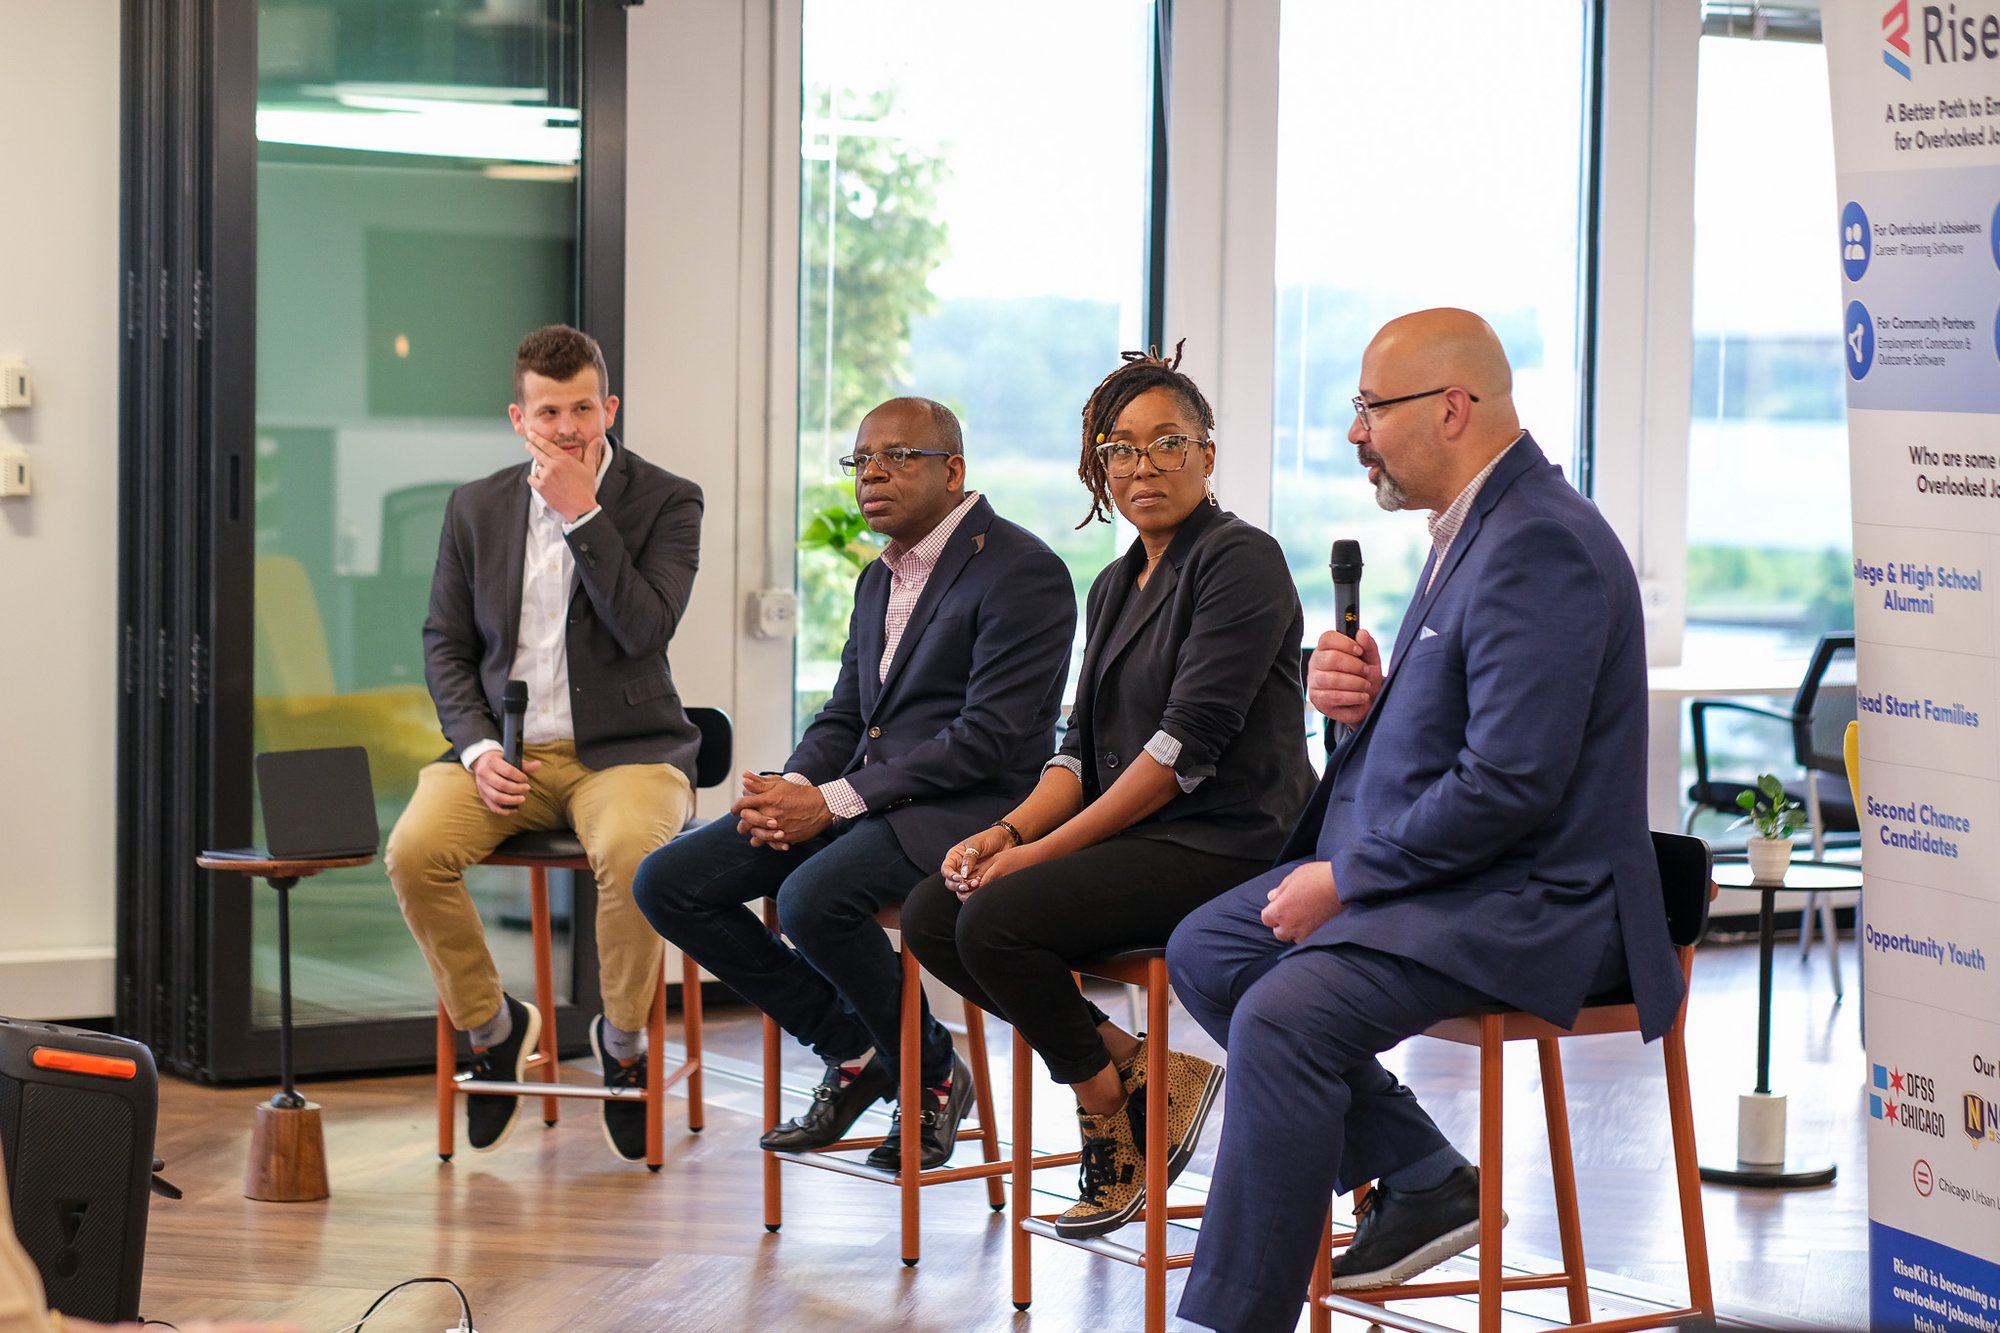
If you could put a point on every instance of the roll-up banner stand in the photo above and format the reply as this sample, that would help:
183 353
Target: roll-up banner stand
1916 120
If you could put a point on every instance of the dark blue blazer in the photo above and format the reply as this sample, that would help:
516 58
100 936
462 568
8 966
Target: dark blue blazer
958 733
1488 817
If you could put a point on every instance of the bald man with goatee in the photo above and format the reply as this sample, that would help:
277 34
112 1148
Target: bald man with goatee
1481 838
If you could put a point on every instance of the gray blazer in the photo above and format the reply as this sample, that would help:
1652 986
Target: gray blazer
1211 657
635 565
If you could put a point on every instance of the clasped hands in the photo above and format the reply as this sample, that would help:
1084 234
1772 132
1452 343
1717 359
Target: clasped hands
778 814
1345 676
984 857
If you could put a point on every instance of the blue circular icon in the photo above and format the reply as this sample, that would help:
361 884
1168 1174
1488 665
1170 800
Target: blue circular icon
1859 335
1996 326
1855 243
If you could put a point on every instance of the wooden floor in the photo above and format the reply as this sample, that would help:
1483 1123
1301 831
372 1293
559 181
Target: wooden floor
551 1232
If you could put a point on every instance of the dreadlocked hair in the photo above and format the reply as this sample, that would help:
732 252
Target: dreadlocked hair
1140 372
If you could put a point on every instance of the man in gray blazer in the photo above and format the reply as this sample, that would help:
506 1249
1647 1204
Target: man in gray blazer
941 718
1481 837
569 571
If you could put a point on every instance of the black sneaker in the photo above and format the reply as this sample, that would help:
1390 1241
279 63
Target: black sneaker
938 1124
1400 1233
624 1117
489 1116
837 1103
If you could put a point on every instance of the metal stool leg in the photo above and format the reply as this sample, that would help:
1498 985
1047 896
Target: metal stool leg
545 983
447 1093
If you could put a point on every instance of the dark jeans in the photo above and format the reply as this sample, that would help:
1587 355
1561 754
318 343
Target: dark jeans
1008 948
837 986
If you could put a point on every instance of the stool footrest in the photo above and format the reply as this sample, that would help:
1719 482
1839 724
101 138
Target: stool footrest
468 1086
1102 1246
937 1175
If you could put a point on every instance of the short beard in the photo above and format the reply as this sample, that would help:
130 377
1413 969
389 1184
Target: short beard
1388 494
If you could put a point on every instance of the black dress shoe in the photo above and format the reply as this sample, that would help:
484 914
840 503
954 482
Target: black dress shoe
837 1103
938 1124
1400 1233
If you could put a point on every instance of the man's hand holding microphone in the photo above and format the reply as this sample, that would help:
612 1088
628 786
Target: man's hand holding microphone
502 775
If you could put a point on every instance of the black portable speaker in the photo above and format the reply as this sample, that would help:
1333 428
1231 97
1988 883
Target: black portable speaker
77 1114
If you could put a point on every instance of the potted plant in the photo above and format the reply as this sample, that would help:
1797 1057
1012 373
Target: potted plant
1776 817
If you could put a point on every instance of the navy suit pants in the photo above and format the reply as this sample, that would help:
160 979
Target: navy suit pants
1310 1109
837 986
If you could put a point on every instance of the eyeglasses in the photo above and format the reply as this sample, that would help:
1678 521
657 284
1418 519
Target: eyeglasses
1169 454
894 459
1362 407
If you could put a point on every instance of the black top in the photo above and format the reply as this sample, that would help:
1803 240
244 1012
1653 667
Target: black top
1208 652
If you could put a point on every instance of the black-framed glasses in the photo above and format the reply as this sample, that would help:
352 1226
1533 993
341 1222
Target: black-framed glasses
894 459
1169 454
1362 407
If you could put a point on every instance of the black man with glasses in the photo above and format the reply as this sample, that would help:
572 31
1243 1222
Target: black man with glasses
1481 837
940 719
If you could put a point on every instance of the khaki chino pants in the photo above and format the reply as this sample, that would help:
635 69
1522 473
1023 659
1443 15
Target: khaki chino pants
620 814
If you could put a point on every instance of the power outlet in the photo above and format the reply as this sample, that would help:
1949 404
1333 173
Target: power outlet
15 476
774 613
17 387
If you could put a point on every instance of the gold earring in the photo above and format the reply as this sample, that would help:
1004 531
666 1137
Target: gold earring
1208 484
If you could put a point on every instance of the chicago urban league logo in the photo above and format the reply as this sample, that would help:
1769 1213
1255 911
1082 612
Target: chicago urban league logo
1896 34
1907 1100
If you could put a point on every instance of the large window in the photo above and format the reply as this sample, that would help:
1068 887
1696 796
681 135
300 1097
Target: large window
1428 154
1768 515
972 213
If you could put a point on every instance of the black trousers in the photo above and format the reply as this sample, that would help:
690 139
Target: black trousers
1008 948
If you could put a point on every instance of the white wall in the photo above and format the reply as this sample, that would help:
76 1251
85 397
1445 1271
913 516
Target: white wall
59 96
705 323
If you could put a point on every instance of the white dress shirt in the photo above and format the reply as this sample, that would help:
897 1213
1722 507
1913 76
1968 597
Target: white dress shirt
541 644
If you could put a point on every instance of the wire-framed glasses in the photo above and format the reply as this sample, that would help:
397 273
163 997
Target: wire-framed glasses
894 459
1362 407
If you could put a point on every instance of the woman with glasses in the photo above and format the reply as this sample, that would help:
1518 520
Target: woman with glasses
1181 771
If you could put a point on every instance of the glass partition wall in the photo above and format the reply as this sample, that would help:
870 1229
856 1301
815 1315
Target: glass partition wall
392 195
417 209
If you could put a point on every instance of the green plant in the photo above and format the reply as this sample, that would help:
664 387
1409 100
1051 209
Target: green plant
1770 810
840 531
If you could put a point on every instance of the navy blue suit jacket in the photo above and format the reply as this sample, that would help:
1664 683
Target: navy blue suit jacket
1488 817
958 732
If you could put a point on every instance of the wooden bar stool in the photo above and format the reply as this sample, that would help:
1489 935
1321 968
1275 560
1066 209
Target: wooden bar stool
1145 968
910 1178
559 849
1684 875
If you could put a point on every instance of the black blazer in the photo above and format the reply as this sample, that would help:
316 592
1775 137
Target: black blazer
1211 657
635 565
957 734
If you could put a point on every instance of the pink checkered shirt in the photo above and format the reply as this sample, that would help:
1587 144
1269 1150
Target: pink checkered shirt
1446 522
909 570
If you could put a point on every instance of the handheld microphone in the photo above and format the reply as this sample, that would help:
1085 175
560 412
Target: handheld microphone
1346 567
513 712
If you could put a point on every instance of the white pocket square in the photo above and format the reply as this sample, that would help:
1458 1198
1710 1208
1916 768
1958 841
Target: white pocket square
1426 633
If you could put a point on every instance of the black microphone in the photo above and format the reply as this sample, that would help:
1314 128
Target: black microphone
1346 567
513 711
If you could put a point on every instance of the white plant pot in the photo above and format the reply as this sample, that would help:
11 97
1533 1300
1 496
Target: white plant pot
1768 859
